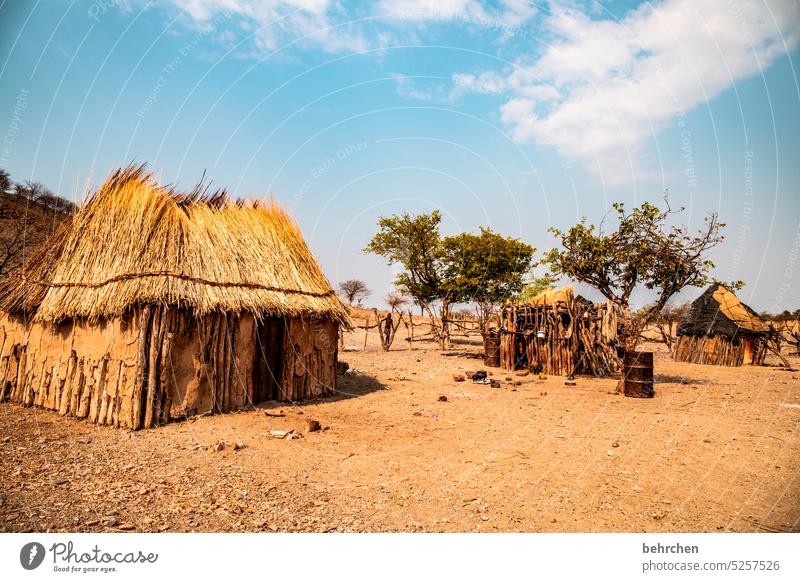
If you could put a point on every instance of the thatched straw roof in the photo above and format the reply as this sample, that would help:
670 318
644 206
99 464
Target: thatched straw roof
719 312
552 296
136 242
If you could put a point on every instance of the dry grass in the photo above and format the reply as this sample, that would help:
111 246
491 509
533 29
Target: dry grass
138 242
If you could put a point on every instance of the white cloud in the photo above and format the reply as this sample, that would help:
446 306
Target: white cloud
408 89
334 26
508 13
602 88
486 82
278 22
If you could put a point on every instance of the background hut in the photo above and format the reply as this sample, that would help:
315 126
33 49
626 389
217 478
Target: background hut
149 305
721 330
560 333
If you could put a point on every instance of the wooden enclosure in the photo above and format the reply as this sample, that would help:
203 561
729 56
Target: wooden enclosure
720 330
559 334
158 364
721 350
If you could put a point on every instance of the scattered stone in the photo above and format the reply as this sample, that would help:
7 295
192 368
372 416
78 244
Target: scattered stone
570 383
508 378
238 446
442 398
220 446
126 527
312 425
459 378
517 382
110 521
610 453
615 444
273 527
60 481
417 413
522 373
85 440
542 393
495 384
542 376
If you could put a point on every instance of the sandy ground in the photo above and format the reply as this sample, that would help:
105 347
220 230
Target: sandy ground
717 449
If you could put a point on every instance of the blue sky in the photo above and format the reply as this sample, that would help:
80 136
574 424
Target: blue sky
511 114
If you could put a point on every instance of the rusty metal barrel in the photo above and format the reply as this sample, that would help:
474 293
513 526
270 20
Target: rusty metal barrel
491 349
638 374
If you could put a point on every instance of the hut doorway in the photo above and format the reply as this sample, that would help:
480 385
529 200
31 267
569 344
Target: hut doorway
268 357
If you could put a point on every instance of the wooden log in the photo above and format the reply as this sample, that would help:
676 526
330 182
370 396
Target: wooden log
16 394
143 358
153 385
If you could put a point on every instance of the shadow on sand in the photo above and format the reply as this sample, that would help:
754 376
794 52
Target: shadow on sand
670 379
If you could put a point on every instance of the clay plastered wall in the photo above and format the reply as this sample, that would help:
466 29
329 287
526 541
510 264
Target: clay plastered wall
156 365
76 369
309 359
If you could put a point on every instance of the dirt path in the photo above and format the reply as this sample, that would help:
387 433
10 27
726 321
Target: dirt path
717 449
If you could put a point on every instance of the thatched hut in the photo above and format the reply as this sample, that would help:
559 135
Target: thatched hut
560 333
149 305
721 330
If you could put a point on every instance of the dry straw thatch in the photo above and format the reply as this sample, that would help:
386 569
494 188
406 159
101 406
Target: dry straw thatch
136 242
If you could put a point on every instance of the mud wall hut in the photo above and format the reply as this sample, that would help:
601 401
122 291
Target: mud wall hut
721 330
149 305
559 333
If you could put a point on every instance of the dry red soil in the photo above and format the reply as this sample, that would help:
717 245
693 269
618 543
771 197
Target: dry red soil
717 449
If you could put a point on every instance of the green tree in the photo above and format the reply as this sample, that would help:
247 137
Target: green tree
413 242
643 251
485 268
732 286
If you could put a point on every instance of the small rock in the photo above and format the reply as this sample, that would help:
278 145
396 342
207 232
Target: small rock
238 446
442 398
542 393
273 527
60 481
85 440
312 425
542 376
522 373
517 382
508 378
615 444
220 446
570 383
459 378
494 384
110 521
610 453
126 527
417 413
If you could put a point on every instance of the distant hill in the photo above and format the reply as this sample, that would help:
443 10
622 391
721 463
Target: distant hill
27 223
